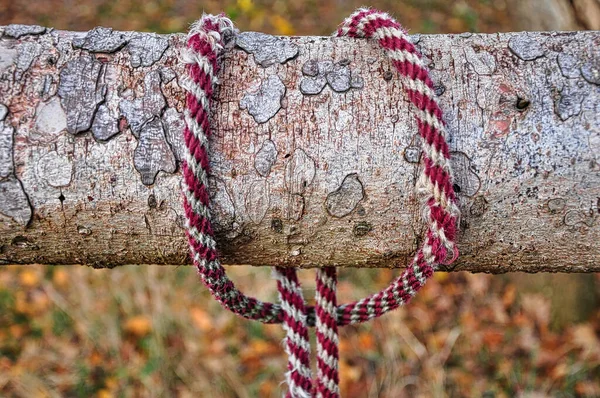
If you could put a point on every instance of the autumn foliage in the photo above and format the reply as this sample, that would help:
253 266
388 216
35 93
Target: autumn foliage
155 331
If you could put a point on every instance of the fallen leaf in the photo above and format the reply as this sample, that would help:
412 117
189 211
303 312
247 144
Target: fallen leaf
95 359
348 374
267 388
201 319
17 331
493 338
537 307
366 341
587 389
559 371
29 278
138 326
478 283
585 337
60 278
508 298
104 394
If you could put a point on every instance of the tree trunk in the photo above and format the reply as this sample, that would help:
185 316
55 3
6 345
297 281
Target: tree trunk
588 13
314 156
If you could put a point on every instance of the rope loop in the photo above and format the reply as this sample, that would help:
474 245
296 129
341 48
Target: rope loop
206 42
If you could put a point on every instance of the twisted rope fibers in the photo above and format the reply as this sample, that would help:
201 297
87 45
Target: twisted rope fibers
205 44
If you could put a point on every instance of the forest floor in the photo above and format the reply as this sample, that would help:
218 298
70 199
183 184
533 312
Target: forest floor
155 331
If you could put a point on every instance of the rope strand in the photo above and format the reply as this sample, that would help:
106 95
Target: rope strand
297 345
327 333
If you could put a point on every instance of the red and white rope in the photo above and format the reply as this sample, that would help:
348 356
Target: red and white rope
205 44
297 344
327 333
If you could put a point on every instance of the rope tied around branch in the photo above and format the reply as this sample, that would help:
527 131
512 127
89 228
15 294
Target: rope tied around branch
206 43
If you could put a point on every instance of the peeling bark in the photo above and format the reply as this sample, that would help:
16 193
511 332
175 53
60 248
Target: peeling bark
314 154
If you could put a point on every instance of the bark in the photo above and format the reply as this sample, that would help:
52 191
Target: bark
573 297
314 156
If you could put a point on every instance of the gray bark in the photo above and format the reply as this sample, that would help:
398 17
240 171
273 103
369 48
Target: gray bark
314 156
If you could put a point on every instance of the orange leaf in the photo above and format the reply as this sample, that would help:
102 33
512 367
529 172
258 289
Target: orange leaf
29 278
509 296
266 389
366 341
95 359
201 319
587 389
17 331
263 348
60 277
104 394
352 372
138 325
492 338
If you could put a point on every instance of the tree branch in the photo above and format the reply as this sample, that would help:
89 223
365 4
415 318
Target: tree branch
314 156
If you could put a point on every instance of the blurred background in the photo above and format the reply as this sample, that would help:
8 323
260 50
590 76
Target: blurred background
151 331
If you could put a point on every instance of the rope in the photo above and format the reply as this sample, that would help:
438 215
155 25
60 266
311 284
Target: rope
297 345
205 44
327 334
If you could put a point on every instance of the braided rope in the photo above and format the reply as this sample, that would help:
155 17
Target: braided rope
440 211
205 44
327 333
297 344
206 41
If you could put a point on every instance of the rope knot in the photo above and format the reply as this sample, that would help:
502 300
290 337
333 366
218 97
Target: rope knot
217 30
